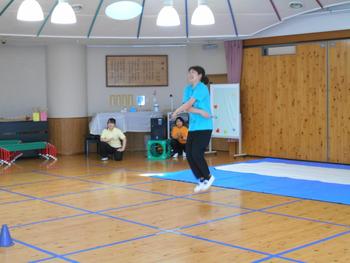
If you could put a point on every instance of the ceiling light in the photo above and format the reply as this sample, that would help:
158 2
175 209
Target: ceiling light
63 14
202 15
30 10
296 5
168 15
123 10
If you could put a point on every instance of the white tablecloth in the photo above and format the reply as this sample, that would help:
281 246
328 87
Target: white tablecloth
126 121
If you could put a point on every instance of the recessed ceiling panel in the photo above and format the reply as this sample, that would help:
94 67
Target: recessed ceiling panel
252 6
223 27
327 3
10 26
251 18
80 29
286 11
150 29
257 22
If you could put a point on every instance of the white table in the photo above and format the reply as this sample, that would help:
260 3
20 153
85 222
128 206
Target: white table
126 121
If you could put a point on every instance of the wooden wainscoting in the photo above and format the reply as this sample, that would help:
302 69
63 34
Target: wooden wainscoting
339 101
136 141
219 144
68 134
283 103
217 78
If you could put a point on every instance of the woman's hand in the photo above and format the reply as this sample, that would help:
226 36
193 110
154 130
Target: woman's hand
183 138
173 115
205 114
121 149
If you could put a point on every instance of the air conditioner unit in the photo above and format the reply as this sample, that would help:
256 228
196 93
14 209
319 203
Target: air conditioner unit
279 50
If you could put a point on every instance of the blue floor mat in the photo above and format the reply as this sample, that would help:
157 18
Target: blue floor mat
306 189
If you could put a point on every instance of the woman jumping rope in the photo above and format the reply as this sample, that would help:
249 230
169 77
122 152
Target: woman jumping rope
196 101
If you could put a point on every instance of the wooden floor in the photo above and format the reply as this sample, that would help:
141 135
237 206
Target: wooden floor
83 210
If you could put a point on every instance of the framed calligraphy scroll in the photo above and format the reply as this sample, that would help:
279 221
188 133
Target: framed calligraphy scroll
137 71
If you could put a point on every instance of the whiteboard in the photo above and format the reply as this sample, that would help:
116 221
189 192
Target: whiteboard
225 108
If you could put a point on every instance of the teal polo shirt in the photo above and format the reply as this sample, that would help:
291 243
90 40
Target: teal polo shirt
201 94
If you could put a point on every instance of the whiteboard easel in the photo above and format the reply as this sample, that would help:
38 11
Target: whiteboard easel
225 107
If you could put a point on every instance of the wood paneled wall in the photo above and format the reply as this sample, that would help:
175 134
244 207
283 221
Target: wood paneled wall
68 134
283 103
339 101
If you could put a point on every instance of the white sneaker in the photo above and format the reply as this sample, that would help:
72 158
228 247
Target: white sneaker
208 183
184 156
175 155
198 187
104 159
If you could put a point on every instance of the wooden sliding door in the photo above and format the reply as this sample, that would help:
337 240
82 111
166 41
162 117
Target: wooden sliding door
339 101
284 103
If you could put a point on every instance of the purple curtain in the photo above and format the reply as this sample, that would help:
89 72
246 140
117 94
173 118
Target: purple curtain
234 55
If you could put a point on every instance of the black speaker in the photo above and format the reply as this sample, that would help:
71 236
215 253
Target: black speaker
158 129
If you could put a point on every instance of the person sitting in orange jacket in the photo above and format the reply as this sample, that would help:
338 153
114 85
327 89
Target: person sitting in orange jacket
179 137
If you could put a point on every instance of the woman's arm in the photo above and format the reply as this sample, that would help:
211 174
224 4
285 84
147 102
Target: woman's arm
188 106
199 111
123 145
185 133
184 107
174 135
103 137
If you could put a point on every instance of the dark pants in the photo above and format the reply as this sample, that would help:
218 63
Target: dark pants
197 142
177 147
106 149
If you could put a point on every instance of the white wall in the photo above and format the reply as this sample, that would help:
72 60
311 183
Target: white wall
22 80
212 60
179 59
98 93
66 77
